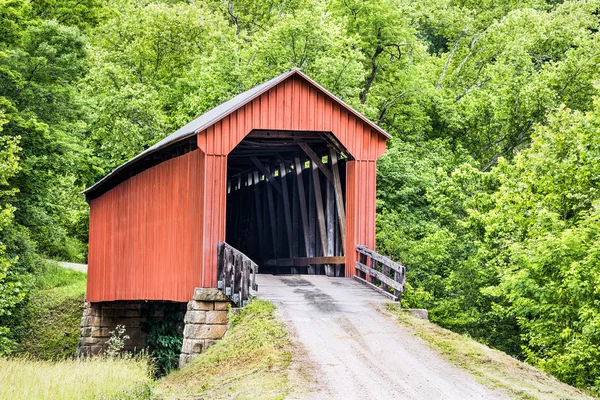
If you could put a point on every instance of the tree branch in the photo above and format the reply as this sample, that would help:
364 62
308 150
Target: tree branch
439 84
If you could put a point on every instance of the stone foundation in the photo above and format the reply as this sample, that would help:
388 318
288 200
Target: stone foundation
205 322
99 319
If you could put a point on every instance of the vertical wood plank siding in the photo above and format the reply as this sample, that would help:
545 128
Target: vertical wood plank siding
155 235
145 234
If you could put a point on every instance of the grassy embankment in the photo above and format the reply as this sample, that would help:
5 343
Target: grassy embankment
44 366
491 367
51 317
254 361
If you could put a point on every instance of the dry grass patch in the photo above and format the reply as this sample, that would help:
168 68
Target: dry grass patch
251 362
96 378
491 367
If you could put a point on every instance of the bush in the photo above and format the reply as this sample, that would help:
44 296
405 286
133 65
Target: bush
164 342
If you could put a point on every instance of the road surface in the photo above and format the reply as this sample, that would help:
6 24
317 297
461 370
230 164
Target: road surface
358 351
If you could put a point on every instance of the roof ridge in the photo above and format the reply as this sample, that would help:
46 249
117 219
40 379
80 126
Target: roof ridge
219 112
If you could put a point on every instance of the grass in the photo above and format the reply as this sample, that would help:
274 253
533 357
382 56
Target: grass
52 314
491 367
97 378
251 362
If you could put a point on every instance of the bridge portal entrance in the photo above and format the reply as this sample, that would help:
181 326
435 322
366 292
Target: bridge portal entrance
285 207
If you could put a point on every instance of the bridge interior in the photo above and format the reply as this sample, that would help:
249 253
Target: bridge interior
286 201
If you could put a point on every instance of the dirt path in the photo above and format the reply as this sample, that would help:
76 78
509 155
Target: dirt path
359 352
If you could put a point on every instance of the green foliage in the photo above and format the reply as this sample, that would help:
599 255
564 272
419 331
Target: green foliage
488 192
48 325
164 339
116 342
549 240
11 289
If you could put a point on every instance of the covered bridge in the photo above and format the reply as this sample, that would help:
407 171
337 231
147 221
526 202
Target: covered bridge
284 172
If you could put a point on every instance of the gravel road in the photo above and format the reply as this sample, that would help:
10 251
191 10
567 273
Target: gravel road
70 265
358 351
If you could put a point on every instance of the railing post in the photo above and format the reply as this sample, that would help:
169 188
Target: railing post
234 277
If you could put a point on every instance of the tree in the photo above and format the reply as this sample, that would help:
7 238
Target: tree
10 289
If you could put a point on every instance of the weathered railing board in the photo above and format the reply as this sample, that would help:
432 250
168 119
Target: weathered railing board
382 259
376 274
236 273
381 275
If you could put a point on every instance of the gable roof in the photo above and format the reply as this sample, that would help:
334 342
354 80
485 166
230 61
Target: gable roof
221 111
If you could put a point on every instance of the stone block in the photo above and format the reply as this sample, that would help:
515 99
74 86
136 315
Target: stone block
192 346
209 294
100 333
186 358
420 313
86 331
96 349
91 321
204 331
208 343
129 322
132 313
195 317
222 305
216 317
89 341
201 305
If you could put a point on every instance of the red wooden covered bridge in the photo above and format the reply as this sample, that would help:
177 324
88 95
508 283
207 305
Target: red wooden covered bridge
284 173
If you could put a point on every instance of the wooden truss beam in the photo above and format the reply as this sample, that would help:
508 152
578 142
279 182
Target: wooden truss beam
317 160
267 174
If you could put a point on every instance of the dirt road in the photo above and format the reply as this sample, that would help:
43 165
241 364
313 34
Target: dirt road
360 352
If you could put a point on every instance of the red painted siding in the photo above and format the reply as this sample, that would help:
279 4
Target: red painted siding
145 234
155 235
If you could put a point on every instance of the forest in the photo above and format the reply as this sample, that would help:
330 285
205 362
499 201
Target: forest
489 191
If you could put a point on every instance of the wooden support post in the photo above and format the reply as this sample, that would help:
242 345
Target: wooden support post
259 217
316 160
339 197
330 217
286 206
319 205
295 217
303 210
272 221
312 229
385 269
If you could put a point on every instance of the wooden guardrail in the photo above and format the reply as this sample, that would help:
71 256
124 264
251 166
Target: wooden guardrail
236 273
384 272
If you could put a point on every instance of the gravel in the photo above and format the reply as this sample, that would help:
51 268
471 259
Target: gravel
358 351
